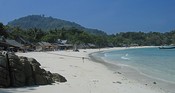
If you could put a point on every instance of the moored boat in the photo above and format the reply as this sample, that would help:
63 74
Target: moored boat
167 47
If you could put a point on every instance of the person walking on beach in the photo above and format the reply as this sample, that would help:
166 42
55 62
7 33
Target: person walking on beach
83 59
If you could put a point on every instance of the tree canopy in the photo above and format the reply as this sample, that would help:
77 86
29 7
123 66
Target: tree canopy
77 36
3 30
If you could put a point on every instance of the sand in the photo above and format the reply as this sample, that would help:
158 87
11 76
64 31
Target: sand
83 75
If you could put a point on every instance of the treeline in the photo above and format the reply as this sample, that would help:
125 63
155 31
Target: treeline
77 36
143 39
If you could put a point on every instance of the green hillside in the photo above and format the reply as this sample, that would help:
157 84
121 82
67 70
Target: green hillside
49 23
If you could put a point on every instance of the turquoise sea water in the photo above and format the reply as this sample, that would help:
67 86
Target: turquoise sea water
153 62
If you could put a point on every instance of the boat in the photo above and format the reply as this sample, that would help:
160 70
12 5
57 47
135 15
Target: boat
167 47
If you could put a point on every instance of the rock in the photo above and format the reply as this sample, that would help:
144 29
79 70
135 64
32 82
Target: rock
17 71
4 73
4 78
14 62
118 82
27 71
3 62
33 62
17 78
39 75
12 56
36 69
40 79
58 78
154 83
49 77
22 71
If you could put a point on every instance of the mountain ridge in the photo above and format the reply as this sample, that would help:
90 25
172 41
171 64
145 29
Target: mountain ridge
49 23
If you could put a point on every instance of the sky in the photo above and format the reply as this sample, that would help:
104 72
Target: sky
111 16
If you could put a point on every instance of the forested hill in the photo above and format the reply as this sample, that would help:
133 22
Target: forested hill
48 23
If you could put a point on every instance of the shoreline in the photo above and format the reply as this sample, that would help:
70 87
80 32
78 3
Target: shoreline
133 74
83 75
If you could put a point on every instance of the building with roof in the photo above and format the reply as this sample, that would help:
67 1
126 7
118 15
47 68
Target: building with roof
44 46
14 45
63 45
10 45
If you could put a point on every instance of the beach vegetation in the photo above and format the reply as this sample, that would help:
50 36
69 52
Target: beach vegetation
3 30
77 36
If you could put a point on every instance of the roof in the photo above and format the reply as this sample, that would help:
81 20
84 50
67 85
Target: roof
65 45
91 45
21 40
14 43
3 44
44 44
62 41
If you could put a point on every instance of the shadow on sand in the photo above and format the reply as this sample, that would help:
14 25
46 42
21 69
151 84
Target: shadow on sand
18 90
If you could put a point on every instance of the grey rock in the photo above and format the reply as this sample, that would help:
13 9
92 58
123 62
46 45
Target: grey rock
57 77
4 73
22 71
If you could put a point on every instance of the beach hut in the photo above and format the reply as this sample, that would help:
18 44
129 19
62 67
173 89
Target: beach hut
63 45
27 45
13 45
10 45
44 46
91 45
134 45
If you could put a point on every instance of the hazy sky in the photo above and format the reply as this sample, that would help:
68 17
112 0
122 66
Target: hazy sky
111 16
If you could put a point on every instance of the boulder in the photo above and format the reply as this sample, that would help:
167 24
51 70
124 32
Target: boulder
22 71
41 76
4 78
14 62
4 73
27 71
33 62
17 78
40 79
3 62
17 75
49 77
57 77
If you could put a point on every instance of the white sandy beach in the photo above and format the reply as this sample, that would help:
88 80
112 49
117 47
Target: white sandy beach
83 76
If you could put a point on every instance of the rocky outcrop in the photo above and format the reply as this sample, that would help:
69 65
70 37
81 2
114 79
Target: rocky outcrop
4 72
22 71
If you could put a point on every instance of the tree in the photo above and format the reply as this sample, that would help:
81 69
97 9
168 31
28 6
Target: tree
49 38
16 31
100 41
3 31
34 34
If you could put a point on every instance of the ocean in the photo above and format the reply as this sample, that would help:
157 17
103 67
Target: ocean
155 63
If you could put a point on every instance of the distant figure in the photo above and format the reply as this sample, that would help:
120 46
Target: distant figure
83 59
